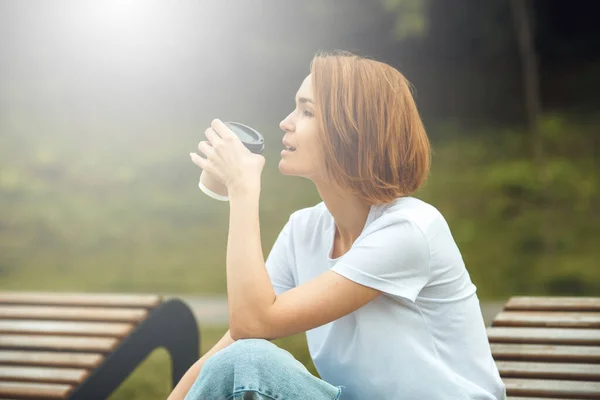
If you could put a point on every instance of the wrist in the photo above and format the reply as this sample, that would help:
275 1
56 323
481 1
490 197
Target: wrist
243 189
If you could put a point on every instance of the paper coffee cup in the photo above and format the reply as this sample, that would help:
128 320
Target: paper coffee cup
218 192
208 183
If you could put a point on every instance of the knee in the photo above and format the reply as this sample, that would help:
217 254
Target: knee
245 352
240 363
253 347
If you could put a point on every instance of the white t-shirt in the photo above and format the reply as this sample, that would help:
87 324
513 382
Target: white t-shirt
424 337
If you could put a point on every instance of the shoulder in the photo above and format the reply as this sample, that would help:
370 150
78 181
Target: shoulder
415 212
309 214
421 223
315 217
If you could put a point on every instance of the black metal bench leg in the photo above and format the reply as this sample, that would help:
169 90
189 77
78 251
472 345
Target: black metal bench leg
171 325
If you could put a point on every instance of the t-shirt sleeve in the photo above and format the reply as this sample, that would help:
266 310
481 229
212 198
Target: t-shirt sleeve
280 261
393 257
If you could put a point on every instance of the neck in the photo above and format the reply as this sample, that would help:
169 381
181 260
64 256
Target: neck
348 211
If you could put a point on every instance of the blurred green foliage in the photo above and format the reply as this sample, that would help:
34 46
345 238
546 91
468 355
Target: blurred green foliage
102 213
410 17
524 228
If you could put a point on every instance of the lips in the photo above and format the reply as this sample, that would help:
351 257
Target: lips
288 145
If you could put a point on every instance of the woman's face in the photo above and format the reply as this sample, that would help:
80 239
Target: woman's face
302 155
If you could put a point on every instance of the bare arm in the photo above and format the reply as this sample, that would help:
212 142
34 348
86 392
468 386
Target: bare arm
191 375
256 312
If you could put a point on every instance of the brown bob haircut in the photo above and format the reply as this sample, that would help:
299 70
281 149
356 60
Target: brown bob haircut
372 136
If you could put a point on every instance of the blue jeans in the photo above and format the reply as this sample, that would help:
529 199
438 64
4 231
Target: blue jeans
256 369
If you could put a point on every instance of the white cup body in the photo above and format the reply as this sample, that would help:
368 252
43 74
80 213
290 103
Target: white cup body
212 187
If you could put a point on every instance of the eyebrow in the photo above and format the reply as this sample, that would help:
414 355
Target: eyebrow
305 100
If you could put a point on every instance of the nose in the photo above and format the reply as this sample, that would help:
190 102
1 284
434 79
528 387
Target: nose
287 125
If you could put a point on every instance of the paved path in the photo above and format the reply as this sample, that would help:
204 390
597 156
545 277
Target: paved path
212 310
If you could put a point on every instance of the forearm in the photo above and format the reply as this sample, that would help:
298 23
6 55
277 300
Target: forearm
188 379
249 289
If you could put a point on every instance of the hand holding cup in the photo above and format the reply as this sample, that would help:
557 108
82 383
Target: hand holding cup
232 159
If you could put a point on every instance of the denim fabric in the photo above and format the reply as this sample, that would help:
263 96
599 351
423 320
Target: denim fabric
256 369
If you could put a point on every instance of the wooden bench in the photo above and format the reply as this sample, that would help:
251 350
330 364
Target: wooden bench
548 347
83 346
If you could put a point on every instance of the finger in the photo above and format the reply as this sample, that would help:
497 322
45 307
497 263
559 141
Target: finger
261 158
206 149
199 161
212 136
222 129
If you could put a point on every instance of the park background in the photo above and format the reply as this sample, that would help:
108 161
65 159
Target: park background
101 102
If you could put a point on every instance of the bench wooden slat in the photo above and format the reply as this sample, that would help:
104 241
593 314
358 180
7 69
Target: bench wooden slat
553 303
588 337
548 319
565 371
68 328
534 398
66 313
50 359
80 299
58 343
42 374
28 390
540 352
552 388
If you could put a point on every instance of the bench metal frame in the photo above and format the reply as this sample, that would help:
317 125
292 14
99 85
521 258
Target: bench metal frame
170 325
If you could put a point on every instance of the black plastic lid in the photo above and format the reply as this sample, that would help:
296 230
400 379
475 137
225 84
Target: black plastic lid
249 136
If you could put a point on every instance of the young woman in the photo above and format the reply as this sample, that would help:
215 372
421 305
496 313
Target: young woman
371 274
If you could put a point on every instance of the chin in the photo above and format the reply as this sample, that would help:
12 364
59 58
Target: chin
284 169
